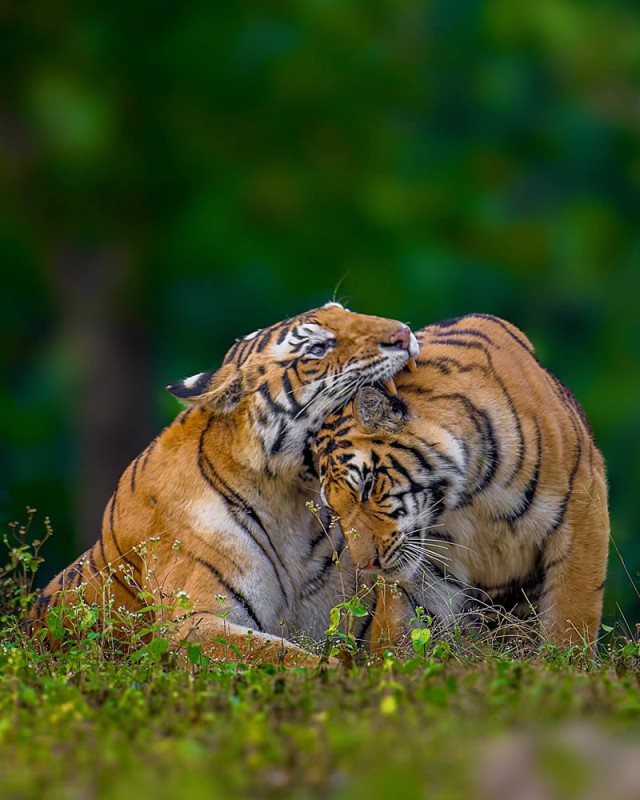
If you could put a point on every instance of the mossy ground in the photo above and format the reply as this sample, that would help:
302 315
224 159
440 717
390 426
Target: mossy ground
77 725
467 718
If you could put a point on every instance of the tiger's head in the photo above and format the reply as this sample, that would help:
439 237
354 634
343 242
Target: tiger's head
386 484
284 380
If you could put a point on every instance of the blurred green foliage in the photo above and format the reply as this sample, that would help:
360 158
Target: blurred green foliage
192 171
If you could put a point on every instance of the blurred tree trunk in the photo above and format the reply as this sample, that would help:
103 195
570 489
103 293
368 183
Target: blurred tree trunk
103 330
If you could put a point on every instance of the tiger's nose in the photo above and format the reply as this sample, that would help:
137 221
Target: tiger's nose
401 338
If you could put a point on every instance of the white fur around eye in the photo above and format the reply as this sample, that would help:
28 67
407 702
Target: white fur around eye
300 338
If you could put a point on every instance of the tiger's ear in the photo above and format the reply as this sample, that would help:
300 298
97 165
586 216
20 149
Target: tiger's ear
220 390
375 411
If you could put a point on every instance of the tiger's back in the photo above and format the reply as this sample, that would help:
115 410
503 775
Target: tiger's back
486 482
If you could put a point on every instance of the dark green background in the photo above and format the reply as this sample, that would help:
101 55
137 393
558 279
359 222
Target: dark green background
174 175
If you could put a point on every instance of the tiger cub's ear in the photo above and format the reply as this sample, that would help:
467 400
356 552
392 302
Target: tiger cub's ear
220 390
376 411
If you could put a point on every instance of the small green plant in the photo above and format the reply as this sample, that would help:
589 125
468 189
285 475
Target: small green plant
421 631
342 619
23 560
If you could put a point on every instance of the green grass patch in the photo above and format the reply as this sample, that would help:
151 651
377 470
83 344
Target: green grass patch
466 718
74 725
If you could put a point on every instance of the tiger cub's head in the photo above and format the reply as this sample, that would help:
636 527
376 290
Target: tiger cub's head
283 381
382 481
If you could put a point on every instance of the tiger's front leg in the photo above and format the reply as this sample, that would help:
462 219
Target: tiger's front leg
226 641
390 623
575 570
212 613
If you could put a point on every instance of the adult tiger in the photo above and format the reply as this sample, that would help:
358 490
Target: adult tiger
478 484
213 513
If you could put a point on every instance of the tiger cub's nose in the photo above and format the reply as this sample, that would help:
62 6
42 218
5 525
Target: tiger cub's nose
401 338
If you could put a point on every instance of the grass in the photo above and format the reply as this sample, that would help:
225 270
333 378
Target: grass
461 720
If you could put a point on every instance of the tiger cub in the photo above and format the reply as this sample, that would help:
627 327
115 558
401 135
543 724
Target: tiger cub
213 515
477 486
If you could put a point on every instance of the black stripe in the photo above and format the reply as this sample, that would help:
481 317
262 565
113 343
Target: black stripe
343 431
322 535
184 416
437 491
283 334
482 423
518 590
237 596
263 339
289 393
529 492
441 364
129 589
556 561
74 575
231 354
308 461
516 418
331 425
450 323
298 346
561 513
278 410
402 470
317 582
395 544
446 364
237 506
281 436
452 342
112 572
512 408
438 453
419 457
243 351
64 580
150 448
113 533
507 330
569 400
92 561
444 323
134 469
469 332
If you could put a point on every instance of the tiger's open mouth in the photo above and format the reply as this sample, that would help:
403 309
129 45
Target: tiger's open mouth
390 385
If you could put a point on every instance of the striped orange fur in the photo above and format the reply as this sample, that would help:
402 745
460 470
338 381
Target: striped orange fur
211 520
477 487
